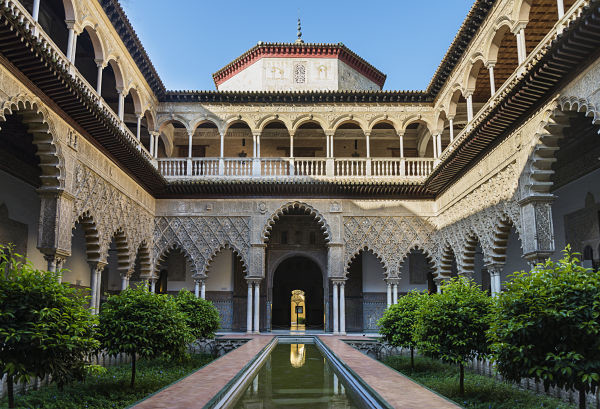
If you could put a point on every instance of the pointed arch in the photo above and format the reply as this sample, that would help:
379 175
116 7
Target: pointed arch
500 240
42 129
368 249
143 258
164 255
123 254
92 238
237 252
309 210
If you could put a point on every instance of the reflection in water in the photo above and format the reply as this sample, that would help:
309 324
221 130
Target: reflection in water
299 379
297 357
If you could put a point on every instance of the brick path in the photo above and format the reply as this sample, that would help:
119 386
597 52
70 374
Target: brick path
398 390
198 389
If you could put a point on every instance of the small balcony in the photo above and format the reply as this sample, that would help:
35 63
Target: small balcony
397 169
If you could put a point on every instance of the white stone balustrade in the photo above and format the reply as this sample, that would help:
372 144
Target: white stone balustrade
408 168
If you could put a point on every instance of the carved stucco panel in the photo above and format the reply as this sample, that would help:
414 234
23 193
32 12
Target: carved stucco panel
200 237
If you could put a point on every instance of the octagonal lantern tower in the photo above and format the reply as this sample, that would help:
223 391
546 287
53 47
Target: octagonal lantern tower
298 66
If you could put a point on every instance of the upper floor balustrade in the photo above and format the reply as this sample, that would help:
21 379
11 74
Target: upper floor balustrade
378 168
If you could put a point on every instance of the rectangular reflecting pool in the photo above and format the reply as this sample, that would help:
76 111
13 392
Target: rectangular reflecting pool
296 376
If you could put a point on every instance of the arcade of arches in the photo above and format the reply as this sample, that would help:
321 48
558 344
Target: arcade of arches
346 193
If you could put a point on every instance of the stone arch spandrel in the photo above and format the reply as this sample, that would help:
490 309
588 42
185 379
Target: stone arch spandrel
391 236
113 211
202 236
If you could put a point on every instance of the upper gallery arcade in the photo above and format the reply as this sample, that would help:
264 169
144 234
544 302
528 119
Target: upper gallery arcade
117 178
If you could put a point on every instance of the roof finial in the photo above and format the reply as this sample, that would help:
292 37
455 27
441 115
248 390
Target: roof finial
299 39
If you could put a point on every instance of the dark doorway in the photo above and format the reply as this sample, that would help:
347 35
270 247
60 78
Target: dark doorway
297 273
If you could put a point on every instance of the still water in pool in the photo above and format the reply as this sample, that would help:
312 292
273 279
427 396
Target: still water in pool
296 376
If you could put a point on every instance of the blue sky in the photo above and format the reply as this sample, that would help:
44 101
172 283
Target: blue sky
188 40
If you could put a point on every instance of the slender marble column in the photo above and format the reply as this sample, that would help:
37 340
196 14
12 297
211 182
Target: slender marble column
152 144
389 294
451 119
124 282
291 144
222 152
434 141
401 137
190 136
71 27
203 290
121 107
439 142
561 8
95 271
368 141
469 107
342 309
36 10
492 80
257 307
328 148
138 129
99 76
197 288
336 313
395 293
249 309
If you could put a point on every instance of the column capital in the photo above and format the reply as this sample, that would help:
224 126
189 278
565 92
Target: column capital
521 24
120 90
70 24
468 93
338 280
450 117
329 132
494 268
154 133
97 265
367 132
392 280
537 198
253 280
401 133
99 62
198 278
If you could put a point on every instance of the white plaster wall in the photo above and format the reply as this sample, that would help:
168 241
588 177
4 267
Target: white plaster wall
372 274
277 74
79 272
220 272
570 198
23 206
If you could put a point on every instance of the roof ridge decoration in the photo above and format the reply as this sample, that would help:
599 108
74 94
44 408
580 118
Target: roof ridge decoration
123 26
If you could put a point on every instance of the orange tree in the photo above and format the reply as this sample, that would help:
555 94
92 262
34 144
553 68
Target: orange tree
452 325
546 325
45 327
397 326
143 324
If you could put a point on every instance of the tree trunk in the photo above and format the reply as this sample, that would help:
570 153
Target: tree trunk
462 380
412 358
582 398
11 391
132 369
